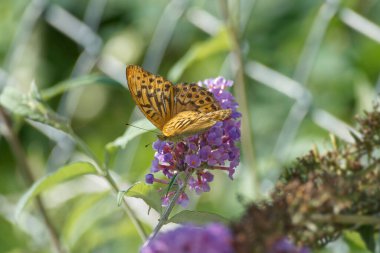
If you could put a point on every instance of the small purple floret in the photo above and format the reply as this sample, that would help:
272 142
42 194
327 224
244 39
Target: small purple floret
149 178
192 161
183 200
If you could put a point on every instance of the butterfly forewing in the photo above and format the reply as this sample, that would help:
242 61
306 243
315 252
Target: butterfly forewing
190 122
152 94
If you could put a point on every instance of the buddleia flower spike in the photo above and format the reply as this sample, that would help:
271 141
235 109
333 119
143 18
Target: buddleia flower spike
200 128
177 110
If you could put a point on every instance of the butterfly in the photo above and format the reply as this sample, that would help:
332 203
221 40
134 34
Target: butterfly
179 110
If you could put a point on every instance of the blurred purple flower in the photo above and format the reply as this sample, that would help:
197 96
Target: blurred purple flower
213 238
286 246
215 149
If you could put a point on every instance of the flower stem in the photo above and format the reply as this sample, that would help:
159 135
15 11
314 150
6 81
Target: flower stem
346 219
104 171
240 90
217 168
165 215
26 172
136 222
161 181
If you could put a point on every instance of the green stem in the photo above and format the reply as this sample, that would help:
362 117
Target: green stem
103 170
346 219
240 92
136 222
165 215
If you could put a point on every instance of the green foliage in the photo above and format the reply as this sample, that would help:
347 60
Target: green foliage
201 51
196 217
65 86
131 133
30 106
88 215
61 175
367 233
50 64
12 240
145 192
354 240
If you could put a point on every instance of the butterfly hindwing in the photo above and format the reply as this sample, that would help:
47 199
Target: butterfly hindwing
191 97
191 122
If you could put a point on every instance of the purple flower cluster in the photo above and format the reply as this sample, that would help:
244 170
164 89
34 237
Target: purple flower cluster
214 149
214 238
286 246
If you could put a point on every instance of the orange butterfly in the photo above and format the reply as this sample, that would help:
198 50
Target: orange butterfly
177 110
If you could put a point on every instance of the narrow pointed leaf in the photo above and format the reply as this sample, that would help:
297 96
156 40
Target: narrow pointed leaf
147 193
28 105
217 44
129 134
63 174
77 82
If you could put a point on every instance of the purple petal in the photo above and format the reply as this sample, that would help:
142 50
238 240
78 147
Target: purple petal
208 176
155 165
183 200
192 161
204 152
168 157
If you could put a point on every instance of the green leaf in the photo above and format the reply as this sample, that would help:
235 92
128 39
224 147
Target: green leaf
356 137
13 239
367 233
63 174
88 211
147 193
30 106
121 232
77 82
120 196
196 217
219 43
355 242
129 134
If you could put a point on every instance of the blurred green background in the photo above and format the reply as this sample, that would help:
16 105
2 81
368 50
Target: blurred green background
310 67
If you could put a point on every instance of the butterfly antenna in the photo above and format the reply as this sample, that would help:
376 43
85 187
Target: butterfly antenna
127 124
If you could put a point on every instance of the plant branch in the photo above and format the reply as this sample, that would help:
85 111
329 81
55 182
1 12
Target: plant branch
165 215
136 222
240 92
346 219
103 170
27 174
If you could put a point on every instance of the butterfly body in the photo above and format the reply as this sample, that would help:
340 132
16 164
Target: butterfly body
177 110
